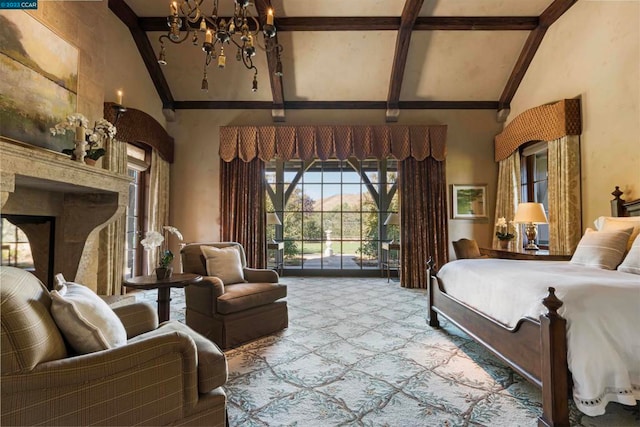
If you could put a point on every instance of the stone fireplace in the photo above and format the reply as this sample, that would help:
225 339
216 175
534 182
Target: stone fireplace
82 199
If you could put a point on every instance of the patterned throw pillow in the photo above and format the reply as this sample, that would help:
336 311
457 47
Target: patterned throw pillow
85 320
602 249
631 263
224 263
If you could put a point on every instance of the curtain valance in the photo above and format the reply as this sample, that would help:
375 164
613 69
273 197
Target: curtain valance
138 126
324 142
542 123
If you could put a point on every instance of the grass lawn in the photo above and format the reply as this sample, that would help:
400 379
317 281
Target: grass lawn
316 248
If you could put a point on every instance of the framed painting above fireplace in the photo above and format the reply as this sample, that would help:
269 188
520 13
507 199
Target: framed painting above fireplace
45 68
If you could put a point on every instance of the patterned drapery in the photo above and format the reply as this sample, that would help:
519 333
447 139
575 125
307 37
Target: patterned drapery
565 213
508 194
423 218
242 205
323 142
542 123
112 237
158 203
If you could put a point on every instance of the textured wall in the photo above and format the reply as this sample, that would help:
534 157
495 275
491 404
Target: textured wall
195 191
593 52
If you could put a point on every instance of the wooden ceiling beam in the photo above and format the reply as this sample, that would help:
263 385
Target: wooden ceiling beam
273 56
547 18
336 105
130 19
382 23
403 39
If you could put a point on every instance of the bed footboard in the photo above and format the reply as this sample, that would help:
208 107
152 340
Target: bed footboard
535 348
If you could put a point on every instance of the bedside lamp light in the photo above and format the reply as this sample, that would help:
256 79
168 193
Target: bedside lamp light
530 214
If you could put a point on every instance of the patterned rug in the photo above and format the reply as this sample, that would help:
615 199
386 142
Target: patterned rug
359 353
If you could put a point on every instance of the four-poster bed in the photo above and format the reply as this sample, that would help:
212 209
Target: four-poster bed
536 348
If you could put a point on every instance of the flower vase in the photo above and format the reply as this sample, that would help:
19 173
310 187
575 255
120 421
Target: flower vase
81 144
164 272
504 244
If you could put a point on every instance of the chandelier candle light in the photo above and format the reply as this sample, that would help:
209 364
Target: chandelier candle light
241 29
156 240
531 214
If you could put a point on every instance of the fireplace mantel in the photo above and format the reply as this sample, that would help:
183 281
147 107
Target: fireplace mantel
82 198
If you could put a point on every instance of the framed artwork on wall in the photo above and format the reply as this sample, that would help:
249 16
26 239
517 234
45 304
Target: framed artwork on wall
39 85
469 201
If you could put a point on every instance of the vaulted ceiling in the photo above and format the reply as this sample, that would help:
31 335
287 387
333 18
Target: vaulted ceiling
370 54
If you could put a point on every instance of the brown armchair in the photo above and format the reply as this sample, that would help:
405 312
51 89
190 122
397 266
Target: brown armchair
467 248
231 314
165 374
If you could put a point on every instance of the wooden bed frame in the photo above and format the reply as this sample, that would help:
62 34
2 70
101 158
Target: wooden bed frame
534 348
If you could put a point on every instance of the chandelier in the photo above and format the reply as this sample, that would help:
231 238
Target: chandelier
242 30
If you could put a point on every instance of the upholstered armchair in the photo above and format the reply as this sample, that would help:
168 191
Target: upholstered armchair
233 304
160 375
467 248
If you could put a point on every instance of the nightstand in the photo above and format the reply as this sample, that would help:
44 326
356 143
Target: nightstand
540 255
278 248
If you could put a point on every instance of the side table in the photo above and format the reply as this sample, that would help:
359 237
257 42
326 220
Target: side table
389 262
278 247
177 280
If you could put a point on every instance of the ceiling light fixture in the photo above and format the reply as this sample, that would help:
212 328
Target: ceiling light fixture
242 30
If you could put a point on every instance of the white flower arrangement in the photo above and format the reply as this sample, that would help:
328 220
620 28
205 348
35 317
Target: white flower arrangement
155 239
503 232
102 130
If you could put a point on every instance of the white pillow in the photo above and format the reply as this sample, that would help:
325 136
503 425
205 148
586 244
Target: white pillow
224 263
631 263
599 222
602 249
85 320
611 223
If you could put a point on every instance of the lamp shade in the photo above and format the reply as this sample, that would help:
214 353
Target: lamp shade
530 213
272 219
392 219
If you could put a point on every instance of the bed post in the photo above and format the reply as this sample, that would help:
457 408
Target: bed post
432 316
617 204
554 375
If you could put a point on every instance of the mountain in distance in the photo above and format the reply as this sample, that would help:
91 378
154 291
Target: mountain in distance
333 202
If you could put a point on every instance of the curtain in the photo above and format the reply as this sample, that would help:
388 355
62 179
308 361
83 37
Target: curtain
112 237
423 219
508 194
157 203
242 207
565 228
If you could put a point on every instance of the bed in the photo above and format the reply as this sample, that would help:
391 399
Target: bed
538 346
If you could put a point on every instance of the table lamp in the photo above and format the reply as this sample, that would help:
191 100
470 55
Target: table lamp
392 219
272 219
530 214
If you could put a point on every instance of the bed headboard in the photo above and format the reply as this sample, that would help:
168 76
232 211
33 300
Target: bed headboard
620 207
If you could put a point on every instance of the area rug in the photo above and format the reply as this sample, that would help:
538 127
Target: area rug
358 352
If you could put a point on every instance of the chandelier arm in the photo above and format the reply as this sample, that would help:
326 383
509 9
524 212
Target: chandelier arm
186 34
186 9
248 63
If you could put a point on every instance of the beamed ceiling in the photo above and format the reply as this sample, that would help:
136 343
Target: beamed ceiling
360 54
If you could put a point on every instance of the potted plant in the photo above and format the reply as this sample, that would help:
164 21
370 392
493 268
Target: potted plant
503 232
87 140
155 240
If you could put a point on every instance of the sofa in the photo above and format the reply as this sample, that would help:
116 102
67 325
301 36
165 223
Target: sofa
163 374
233 304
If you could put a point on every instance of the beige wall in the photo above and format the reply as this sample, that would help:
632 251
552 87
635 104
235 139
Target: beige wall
593 52
195 186
127 72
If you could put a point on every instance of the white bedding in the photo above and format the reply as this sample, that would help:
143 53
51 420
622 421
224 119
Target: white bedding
602 309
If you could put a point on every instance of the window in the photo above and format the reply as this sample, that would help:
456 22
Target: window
136 215
332 212
534 182
16 250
